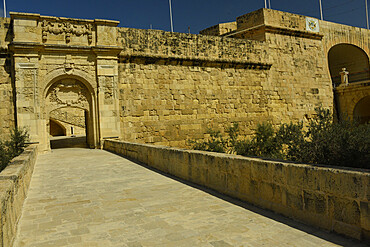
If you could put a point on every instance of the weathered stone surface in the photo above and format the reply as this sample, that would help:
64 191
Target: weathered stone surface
130 205
151 86
253 180
14 183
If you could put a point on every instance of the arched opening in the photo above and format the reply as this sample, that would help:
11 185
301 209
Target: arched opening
56 129
70 104
351 57
73 121
362 110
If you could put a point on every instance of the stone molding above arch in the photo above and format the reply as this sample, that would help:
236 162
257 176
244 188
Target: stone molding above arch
68 93
77 74
328 44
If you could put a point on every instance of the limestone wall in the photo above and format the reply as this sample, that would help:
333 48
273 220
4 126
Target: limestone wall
160 87
174 86
299 76
326 197
220 29
335 33
6 89
14 183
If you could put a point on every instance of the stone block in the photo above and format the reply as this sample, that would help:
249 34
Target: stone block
315 202
344 210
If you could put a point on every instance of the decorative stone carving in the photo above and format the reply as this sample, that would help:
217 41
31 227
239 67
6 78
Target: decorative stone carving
69 93
67 28
68 68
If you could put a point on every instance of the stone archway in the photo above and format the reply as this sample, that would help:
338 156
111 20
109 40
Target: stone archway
351 57
56 129
362 110
71 92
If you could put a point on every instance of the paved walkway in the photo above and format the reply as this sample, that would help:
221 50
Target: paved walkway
83 197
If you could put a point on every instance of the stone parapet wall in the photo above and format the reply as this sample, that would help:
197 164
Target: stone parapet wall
326 197
191 46
220 29
14 183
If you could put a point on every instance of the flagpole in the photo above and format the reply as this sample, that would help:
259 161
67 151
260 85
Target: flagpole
269 4
4 9
171 15
322 18
265 4
367 15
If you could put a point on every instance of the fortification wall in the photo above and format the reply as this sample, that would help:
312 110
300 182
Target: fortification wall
171 86
299 76
174 86
6 89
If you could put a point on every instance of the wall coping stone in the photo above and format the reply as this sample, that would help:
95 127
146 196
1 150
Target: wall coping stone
14 183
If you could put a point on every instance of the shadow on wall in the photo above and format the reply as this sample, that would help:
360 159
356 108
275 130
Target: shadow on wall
68 142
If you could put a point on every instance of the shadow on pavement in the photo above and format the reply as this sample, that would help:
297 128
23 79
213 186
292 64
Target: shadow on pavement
320 233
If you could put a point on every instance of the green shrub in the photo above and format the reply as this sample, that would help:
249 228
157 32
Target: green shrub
13 147
18 139
290 140
270 144
4 156
341 143
214 144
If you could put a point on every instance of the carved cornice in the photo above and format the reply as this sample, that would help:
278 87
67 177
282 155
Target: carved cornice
33 47
67 28
196 61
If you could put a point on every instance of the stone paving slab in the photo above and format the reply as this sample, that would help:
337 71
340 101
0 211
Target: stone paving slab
86 197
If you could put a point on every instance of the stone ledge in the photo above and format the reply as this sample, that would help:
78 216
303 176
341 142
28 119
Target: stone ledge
14 183
277 30
197 61
326 197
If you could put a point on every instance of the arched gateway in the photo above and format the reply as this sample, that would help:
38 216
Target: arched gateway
68 92
150 86
352 97
63 65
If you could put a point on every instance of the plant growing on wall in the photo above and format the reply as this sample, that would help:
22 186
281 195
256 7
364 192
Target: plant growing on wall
13 147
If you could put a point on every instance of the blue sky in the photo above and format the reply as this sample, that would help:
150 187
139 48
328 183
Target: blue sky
198 14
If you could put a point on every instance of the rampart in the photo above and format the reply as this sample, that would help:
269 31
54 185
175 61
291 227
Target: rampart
151 86
174 86
14 182
326 197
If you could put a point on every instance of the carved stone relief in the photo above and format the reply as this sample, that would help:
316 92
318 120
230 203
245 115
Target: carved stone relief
67 28
69 93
